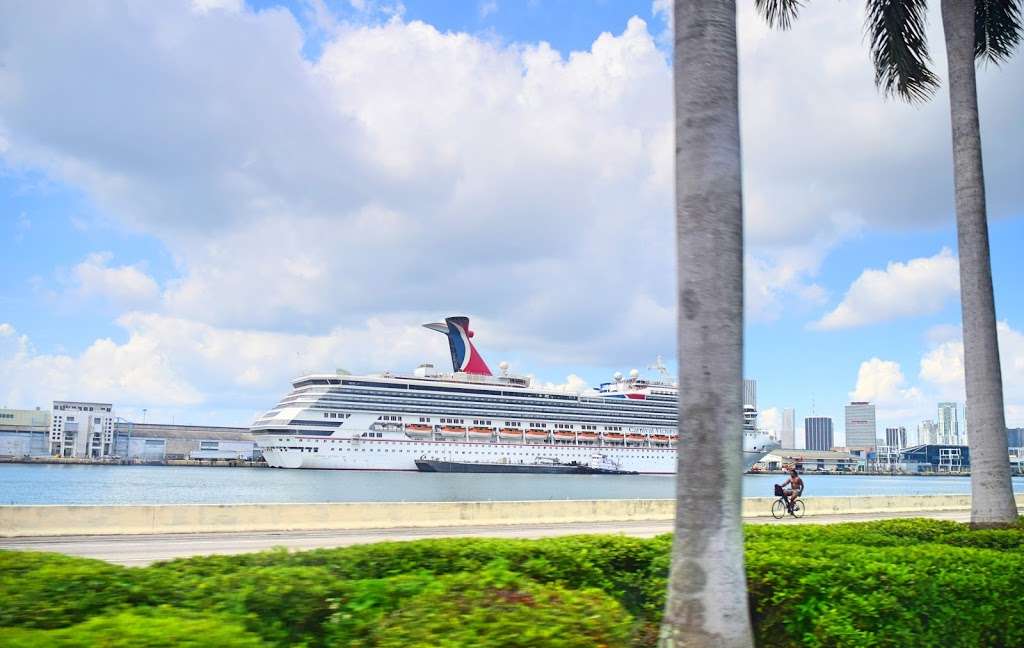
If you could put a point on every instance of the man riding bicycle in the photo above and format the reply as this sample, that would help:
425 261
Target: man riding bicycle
796 488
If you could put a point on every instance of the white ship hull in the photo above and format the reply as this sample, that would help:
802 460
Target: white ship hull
398 454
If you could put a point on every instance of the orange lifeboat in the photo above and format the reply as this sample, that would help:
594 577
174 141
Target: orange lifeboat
452 431
418 430
565 435
510 433
614 437
660 439
635 438
536 435
588 437
480 432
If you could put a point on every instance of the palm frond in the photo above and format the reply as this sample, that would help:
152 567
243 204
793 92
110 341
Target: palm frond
899 48
997 29
779 13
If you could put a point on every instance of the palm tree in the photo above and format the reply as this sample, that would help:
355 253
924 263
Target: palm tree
987 31
707 594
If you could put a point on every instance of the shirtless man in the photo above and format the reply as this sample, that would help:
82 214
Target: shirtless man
796 488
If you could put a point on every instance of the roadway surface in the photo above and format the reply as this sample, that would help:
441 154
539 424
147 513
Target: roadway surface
140 550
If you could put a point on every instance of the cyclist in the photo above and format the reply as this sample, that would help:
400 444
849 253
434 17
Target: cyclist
796 488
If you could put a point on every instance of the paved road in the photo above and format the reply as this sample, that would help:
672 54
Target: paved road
138 550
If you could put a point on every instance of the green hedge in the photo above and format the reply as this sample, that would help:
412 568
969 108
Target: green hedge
893 583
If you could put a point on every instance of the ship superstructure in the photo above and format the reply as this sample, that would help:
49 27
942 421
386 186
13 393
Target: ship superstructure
388 421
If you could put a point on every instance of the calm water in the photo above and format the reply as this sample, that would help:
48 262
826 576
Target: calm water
63 484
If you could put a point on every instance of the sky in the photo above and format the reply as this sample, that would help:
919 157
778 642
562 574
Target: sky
200 200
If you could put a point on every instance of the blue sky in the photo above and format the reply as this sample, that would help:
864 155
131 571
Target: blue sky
201 201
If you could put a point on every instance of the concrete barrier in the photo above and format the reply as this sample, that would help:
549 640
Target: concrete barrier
19 521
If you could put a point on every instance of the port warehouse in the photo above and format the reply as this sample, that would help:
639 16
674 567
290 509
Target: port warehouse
29 434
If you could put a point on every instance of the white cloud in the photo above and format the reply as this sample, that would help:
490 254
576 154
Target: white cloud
170 362
573 385
205 6
917 287
770 420
882 382
125 285
942 368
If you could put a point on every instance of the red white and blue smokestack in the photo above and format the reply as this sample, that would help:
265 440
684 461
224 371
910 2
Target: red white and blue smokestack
465 357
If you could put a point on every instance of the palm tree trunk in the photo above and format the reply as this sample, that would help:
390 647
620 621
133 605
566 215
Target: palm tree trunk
992 502
707 594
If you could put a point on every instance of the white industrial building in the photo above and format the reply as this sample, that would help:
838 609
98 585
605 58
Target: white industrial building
81 429
24 433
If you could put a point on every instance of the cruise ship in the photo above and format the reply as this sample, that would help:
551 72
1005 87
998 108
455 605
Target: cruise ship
388 421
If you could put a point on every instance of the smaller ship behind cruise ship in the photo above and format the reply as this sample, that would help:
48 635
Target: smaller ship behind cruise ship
470 416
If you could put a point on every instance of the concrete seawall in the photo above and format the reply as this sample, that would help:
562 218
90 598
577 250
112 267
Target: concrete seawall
22 521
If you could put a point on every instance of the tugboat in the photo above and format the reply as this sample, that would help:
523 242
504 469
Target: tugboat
598 465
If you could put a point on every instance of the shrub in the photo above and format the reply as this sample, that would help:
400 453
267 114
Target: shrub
843 595
500 609
151 628
41 590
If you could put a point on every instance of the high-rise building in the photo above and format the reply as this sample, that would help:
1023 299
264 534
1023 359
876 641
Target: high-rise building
788 431
860 426
896 437
948 424
749 405
927 432
81 429
818 432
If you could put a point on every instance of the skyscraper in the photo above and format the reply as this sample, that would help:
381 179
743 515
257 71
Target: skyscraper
896 437
927 432
788 432
818 432
948 424
749 405
860 425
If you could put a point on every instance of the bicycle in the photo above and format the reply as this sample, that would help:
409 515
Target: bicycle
781 506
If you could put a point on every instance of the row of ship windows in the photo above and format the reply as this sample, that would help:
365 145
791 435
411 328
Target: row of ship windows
458 452
591 402
315 448
511 424
420 407
662 421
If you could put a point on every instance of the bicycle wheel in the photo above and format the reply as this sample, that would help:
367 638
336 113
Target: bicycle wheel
778 508
798 508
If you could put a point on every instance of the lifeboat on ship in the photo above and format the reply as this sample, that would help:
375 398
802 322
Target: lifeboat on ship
614 437
418 430
510 434
635 438
659 439
480 433
536 435
587 437
565 435
453 432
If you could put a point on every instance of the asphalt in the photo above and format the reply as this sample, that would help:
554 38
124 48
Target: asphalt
140 550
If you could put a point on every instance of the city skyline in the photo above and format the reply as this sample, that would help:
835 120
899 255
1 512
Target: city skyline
289 217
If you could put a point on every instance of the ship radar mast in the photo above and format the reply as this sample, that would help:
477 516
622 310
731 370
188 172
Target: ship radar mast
659 366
